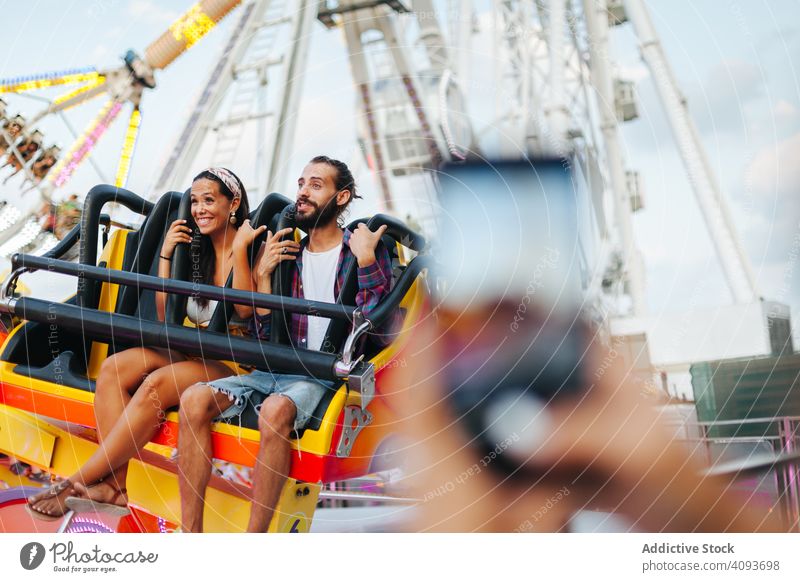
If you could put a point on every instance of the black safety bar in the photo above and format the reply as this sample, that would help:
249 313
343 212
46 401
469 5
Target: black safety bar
113 327
395 229
98 197
282 283
180 267
148 246
399 233
263 300
271 206
392 301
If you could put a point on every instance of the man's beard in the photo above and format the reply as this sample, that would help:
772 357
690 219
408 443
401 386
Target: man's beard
319 217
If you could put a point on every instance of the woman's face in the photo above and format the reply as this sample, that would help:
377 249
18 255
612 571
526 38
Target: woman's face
211 209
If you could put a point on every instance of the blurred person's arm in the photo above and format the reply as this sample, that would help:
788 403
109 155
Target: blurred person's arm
606 449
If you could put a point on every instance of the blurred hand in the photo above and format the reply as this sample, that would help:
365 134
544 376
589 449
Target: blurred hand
603 448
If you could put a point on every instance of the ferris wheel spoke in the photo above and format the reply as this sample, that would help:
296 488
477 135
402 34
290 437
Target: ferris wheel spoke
43 80
193 25
79 95
83 146
126 84
128 147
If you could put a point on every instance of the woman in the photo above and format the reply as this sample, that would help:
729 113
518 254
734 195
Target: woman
136 386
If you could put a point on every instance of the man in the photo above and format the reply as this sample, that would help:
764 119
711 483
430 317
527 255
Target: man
319 263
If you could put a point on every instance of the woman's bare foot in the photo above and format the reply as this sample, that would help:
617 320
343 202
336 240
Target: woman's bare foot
101 497
103 492
51 502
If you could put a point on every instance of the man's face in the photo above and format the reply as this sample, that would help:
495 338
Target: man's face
317 197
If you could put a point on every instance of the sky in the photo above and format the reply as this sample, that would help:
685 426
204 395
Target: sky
736 62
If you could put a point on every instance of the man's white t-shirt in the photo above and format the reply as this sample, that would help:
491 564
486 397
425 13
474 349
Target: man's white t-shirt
319 278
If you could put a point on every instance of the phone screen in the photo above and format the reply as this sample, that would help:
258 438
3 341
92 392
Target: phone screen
511 261
509 232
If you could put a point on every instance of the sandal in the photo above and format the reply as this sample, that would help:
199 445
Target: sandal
86 505
52 493
41 477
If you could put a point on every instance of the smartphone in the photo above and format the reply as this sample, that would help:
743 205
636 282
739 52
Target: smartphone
510 294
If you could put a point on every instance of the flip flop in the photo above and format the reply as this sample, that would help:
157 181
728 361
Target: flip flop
85 505
39 477
43 516
51 493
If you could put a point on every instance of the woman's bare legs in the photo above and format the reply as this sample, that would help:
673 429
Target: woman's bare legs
120 376
139 422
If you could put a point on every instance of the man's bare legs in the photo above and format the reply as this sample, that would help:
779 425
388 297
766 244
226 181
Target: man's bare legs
199 405
275 423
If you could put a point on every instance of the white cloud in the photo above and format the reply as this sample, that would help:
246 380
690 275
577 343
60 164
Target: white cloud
152 12
98 53
784 113
114 32
775 170
725 102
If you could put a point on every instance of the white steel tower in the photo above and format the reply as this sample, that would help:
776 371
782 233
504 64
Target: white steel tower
254 86
556 87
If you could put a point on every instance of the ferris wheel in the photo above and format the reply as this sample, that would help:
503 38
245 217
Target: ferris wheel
47 168
411 113
553 75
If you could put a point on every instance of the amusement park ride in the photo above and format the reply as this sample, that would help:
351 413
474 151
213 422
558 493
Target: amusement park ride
557 95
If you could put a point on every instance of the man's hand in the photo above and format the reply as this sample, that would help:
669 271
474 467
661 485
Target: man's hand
363 242
245 236
276 251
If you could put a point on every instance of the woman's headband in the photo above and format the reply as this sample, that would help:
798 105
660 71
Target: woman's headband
228 179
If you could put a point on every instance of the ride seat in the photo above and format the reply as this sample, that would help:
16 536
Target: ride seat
397 234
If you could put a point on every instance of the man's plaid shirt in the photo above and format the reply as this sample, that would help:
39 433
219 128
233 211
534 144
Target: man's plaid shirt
374 283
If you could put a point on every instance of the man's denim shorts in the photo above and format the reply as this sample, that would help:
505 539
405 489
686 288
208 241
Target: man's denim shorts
305 392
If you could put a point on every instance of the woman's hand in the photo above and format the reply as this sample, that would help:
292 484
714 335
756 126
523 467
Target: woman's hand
178 233
245 236
276 251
